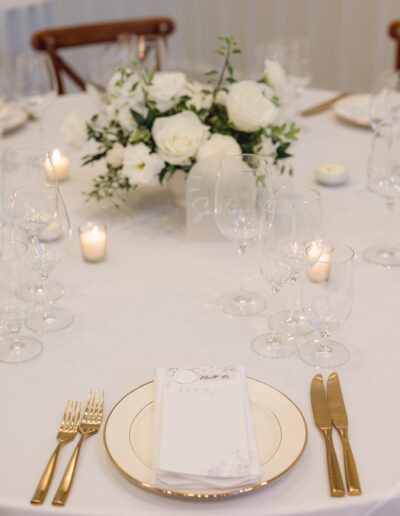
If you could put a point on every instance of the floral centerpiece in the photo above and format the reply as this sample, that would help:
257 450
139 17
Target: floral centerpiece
154 124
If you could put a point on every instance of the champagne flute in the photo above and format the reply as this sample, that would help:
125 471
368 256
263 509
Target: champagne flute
384 180
275 250
242 189
307 212
327 297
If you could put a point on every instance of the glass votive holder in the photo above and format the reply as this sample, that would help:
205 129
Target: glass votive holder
93 238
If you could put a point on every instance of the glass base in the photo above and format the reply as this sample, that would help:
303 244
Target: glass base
331 354
274 346
51 292
290 323
14 350
53 319
241 303
385 256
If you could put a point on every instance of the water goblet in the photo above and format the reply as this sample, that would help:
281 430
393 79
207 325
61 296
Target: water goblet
242 189
327 297
384 101
307 212
275 251
384 180
14 348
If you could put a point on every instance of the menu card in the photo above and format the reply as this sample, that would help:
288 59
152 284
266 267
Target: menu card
204 434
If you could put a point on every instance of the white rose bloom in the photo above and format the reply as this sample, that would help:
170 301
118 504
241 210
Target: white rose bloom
266 148
74 130
275 75
248 107
178 137
219 145
166 88
200 95
115 156
140 165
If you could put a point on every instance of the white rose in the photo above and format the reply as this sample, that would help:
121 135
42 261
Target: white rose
166 88
248 107
266 148
140 165
178 137
74 130
200 95
219 145
275 75
115 156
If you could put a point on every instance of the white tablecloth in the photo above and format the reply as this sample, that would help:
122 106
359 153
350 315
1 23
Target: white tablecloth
152 303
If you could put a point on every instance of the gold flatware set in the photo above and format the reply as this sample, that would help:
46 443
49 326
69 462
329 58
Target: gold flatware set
329 411
323 106
71 424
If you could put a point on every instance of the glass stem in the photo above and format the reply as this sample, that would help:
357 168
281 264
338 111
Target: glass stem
293 301
390 204
274 300
15 343
242 272
323 344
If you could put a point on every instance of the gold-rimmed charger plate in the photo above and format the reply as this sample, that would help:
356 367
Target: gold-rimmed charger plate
280 428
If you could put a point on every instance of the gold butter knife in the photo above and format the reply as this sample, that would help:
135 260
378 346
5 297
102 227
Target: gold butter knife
339 419
323 106
322 418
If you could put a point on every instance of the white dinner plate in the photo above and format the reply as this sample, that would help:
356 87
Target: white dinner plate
280 428
354 109
15 117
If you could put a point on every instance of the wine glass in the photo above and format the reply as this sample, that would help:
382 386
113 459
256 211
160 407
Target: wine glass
35 83
384 180
26 167
242 189
384 101
276 254
40 216
307 212
327 297
151 52
14 348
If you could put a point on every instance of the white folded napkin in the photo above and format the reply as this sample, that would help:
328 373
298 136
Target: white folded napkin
203 431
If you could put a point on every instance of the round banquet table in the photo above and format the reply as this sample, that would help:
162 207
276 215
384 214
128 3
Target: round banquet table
152 303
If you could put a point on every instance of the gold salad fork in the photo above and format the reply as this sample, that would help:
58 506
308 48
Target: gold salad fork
66 432
90 424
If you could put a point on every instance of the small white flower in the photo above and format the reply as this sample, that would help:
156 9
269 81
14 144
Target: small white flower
74 130
166 88
266 147
248 106
140 165
275 76
178 137
125 118
219 145
115 156
200 95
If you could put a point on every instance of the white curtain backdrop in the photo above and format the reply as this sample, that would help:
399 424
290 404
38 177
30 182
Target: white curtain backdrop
349 41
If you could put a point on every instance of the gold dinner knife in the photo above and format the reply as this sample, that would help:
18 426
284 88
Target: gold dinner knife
323 106
322 418
339 419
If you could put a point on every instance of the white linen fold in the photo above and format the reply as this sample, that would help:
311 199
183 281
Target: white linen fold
203 431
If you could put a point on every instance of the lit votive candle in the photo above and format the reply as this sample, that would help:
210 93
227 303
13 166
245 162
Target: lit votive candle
93 239
57 167
319 255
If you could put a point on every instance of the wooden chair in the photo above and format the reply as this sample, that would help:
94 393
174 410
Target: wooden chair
394 32
51 40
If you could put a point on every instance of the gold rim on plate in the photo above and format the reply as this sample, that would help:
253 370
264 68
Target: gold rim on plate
132 417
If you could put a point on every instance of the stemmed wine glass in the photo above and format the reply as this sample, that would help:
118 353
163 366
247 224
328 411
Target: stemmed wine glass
327 297
35 83
242 189
276 254
384 180
307 212
385 98
14 348
26 167
40 216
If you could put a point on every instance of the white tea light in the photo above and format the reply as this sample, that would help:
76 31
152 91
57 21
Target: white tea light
57 167
320 253
93 239
331 174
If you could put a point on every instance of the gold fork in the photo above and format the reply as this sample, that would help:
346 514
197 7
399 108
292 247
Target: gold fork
90 424
66 432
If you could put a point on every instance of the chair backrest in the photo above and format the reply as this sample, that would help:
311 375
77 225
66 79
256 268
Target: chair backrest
394 32
50 40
